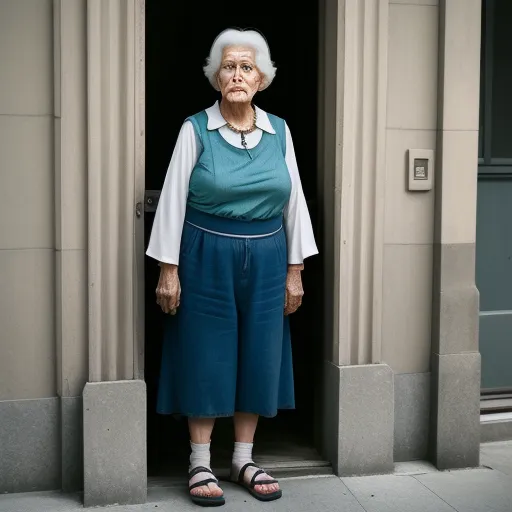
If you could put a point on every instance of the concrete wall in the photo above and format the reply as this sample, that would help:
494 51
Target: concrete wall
379 248
27 238
409 219
29 437
43 259
430 302
455 422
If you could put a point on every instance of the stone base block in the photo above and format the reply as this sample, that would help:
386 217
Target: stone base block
29 445
493 430
115 461
359 419
412 416
455 415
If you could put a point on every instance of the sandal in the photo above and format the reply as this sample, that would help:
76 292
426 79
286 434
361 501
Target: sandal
250 487
204 501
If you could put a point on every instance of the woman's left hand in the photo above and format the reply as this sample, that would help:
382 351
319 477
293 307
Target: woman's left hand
294 290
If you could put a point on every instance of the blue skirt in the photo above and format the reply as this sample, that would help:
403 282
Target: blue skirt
228 348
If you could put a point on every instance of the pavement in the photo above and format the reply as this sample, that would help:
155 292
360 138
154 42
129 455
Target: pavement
414 487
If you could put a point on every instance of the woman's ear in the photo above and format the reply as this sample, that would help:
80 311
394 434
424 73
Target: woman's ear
262 82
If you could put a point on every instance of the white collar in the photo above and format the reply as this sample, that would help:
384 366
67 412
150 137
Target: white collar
216 121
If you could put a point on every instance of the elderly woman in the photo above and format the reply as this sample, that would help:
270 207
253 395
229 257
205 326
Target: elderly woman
231 233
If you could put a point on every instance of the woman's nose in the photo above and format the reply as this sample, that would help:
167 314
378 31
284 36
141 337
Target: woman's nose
237 77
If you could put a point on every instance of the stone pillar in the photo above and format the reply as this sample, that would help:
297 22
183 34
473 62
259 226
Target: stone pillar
358 391
455 428
114 403
70 130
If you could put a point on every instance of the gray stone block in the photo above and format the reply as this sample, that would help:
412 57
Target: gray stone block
496 430
29 445
115 465
472 491
49 501
457 265
412 416
455 311
390 493
302 495
414 467
457 329
72 444
359 419
497 456
455 414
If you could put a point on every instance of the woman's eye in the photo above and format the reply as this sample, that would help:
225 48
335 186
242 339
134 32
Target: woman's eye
247 68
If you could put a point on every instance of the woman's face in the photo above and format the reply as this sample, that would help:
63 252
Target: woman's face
239 79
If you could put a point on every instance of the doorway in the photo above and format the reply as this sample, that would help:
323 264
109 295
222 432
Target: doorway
494 208
178 38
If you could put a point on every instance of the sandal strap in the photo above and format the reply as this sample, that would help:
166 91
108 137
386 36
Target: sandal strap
243 469
261 482
202 482
199 469
256 474
264 482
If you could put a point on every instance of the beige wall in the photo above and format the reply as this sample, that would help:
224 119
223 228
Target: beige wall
27 238
409 216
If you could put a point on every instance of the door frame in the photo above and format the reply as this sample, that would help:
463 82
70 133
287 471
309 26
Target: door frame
352 99
145 199
140 185
493 400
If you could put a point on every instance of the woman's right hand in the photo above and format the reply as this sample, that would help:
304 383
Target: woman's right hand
168 291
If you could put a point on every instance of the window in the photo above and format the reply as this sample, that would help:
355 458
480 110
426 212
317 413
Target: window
495 144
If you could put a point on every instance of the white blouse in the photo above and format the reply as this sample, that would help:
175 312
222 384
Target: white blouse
165 240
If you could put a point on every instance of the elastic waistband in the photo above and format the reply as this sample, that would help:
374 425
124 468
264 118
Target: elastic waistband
235 227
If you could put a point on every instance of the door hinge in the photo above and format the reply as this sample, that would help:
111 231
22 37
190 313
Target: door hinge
151 200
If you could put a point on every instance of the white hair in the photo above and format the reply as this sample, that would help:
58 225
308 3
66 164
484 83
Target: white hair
237 37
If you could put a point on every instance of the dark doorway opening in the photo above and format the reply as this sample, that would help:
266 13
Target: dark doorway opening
178 39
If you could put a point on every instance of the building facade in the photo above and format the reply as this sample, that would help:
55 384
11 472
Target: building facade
397 117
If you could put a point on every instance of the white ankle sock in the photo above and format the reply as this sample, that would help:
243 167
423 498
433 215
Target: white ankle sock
200 455
242 454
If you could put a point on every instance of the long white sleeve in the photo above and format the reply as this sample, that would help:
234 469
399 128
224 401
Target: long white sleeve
297 222
165 240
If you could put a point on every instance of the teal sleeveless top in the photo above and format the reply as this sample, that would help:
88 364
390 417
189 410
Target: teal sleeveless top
238 183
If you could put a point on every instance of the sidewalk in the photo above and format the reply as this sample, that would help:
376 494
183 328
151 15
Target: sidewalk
415 487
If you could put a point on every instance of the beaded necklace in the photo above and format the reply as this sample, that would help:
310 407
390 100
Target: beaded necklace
244 132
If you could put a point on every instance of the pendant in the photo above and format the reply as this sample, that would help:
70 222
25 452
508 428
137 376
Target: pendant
244 144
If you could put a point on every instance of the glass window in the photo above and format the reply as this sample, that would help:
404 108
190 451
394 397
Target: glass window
501 112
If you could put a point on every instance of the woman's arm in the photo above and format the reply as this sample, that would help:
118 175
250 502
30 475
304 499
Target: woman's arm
297 222
299 233
165 240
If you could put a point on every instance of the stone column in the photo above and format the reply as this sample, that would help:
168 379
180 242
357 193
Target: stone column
114 405
455 428
358 390
70 128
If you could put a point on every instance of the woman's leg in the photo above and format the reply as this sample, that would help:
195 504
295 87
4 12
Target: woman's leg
200 429
200 434
245 428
